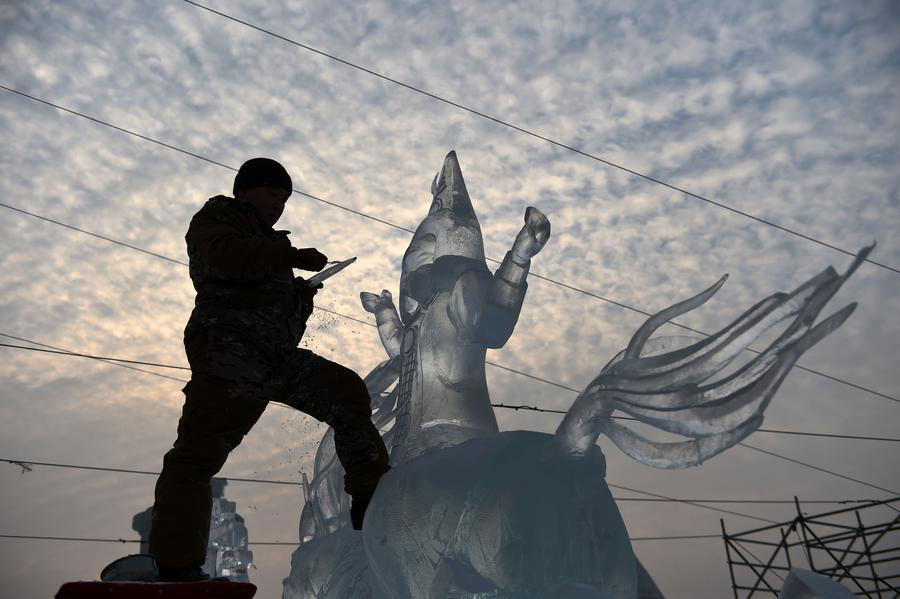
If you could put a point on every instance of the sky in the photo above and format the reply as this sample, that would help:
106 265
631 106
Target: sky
787 111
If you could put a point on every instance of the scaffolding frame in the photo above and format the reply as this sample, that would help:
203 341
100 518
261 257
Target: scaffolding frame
849 552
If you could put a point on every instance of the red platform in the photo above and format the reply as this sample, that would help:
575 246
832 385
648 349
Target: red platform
156 590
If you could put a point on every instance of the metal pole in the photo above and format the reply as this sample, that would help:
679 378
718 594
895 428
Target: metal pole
787 548
862 532
728 557
802 524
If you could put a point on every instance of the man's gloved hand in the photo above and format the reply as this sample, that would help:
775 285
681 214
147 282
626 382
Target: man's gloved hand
307 291
304 296
310 259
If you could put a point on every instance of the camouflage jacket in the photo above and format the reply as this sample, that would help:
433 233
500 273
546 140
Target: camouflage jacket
248 300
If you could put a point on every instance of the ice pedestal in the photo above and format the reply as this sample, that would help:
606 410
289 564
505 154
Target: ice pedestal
509 511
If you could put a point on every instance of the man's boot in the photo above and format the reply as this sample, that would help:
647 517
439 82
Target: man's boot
358 505
188 574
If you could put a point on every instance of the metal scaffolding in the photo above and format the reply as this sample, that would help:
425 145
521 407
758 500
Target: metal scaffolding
863 557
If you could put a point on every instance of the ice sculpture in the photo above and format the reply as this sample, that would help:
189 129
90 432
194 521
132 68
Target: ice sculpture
227 553
806 584
470 512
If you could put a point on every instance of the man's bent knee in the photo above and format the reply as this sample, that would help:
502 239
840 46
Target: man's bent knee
181 466
352 397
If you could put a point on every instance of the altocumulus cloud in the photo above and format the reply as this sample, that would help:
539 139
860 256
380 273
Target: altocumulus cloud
785 110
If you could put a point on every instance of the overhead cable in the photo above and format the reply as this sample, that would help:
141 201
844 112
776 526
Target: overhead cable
109 239
231 479
144 472
531 274
614 417
68 353
532 134
114 362
825 470
295 543
165 376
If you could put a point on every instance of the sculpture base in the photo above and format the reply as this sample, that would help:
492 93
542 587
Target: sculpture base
156 590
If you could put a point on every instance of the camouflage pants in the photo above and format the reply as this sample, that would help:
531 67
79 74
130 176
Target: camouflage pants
222 403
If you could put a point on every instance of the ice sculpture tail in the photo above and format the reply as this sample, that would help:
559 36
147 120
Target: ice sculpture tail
667 389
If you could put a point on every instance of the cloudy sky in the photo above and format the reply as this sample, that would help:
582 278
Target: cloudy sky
783 110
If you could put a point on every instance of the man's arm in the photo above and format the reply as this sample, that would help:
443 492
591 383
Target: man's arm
231 254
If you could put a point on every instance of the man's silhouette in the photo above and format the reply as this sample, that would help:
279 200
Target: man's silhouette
241 342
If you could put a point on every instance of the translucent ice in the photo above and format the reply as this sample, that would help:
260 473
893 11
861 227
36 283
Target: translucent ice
470 512
227 553
804 584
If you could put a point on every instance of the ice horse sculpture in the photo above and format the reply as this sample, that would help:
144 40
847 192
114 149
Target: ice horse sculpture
471 512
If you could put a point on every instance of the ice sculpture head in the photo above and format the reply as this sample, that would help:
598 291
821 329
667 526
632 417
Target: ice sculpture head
446 243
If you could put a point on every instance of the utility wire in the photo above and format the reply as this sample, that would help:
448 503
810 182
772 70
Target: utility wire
688 502
193 155
295 543
758 561
696 504
146 472
292 483
364 215
856 480
532 134
61 224
114 362
637 491
68 353
165 376
759 430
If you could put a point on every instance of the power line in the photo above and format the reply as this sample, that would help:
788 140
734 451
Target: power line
759 430
295 543
67 353
364 215
83 539
144 472
532 134
797 366
192 154
689 502
753 555
672 538
114 361
292 483
61 224
748 501
836 474
165 376
825 470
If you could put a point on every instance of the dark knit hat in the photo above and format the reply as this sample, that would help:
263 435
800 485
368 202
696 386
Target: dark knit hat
262 172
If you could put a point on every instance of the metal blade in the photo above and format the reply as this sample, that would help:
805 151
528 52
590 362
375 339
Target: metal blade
329 272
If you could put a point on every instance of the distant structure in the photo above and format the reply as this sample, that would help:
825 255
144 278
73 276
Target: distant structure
227 553
864 558
141 524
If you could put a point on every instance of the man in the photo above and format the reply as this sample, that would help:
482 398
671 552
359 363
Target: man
241 342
